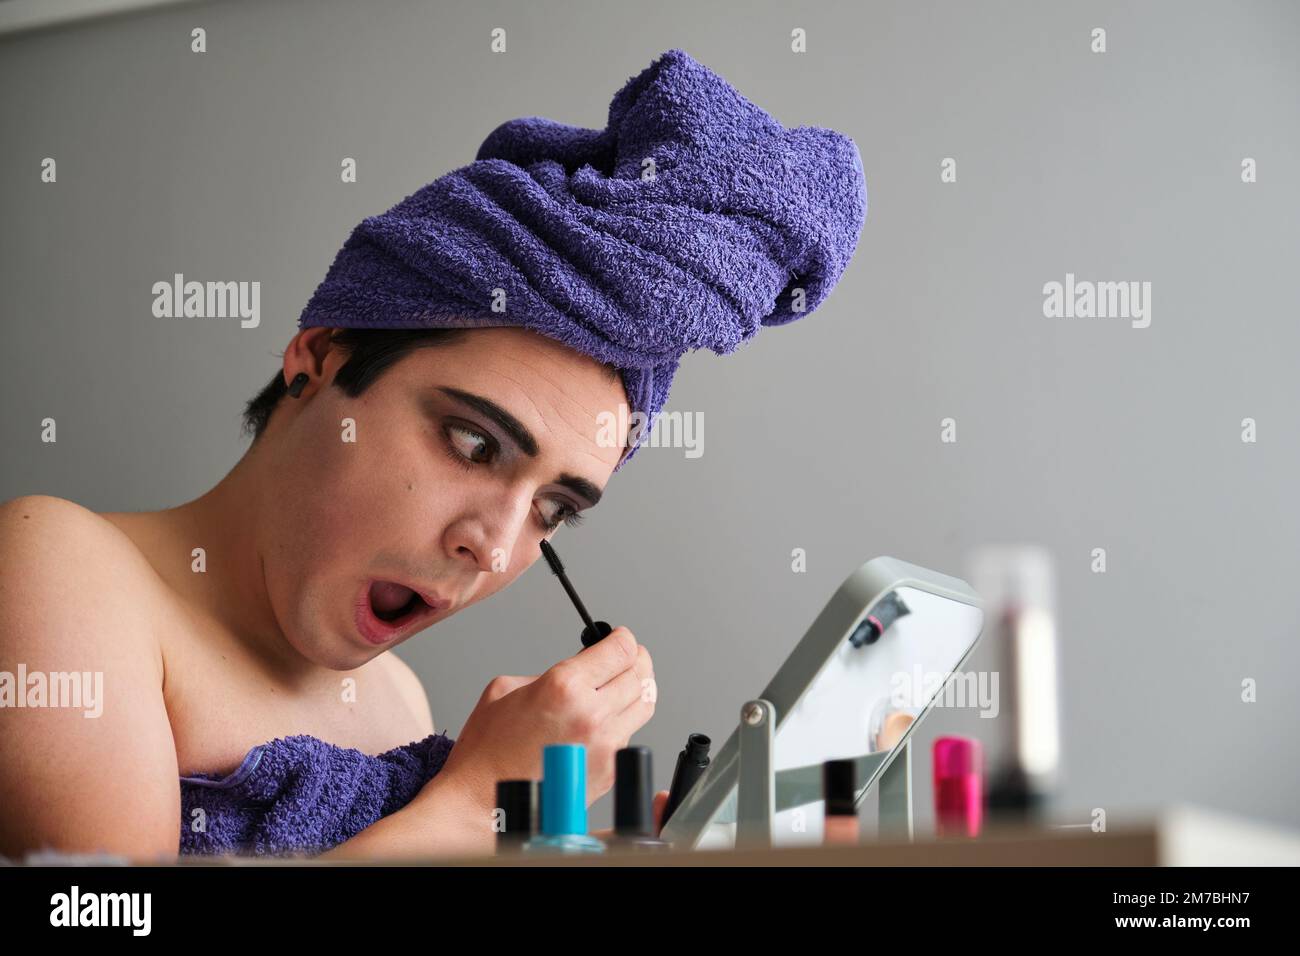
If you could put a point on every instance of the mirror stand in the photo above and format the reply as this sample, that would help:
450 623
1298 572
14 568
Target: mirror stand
763 792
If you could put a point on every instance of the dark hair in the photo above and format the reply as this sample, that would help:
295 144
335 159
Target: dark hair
370 352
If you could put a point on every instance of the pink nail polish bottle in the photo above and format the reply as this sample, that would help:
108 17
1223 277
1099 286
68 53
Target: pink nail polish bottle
958 786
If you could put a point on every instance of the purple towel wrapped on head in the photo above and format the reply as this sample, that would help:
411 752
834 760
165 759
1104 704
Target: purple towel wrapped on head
301 795
690 221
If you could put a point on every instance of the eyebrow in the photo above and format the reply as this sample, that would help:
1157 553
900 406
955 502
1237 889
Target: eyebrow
522 437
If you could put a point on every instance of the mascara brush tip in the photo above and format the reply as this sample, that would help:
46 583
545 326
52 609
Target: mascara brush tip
552 558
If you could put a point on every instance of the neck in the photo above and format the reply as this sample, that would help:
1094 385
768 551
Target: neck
232 589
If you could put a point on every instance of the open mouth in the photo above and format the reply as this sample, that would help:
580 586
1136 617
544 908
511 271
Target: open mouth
386 608
392 602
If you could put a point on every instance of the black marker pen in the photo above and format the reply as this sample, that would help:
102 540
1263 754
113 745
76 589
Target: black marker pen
594 630
691 764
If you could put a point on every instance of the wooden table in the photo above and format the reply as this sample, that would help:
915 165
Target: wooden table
1178 836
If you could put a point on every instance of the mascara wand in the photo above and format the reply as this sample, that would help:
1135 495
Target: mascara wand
594 630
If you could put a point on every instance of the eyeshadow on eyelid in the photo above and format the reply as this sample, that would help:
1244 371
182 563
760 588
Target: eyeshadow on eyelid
589 493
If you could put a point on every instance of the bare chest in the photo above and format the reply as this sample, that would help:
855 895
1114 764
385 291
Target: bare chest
221 703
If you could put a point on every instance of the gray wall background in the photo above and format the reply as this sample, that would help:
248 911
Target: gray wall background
824 435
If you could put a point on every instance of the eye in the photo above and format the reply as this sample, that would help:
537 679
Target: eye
466 447
467 444
566 514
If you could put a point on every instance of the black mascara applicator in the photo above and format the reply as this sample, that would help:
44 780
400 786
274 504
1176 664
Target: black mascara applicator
594 630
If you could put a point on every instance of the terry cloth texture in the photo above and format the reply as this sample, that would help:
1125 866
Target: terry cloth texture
302 795
690 221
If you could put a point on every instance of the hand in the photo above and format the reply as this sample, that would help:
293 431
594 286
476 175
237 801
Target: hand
657 810
599 698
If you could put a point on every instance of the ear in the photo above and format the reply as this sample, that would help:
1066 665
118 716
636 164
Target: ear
308 351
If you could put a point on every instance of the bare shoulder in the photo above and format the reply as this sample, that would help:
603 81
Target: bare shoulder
88 762
32 525
52 548
45 512
411 689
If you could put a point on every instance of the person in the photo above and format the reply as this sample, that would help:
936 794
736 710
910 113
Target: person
444 407
472 449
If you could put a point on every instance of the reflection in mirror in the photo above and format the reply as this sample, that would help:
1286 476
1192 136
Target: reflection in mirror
867 698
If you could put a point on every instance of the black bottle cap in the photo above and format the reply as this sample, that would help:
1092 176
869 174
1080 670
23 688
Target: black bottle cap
633 792
840 787
697 747
520 804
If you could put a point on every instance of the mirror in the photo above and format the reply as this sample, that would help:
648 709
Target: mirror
865 699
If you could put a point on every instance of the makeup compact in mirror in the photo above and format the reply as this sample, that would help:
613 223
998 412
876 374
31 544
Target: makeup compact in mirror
868 670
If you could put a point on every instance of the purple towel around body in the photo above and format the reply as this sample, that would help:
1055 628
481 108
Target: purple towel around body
301 795
691 220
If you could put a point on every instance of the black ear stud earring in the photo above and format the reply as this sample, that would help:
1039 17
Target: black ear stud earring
298 384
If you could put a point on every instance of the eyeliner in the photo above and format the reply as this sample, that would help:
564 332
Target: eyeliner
593 631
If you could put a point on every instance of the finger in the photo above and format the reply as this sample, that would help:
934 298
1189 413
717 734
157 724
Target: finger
643 666
647 695
618 695
659 805
635 715
645 690
604 660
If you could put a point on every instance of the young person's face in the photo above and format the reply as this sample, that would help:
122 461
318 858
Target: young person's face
434 493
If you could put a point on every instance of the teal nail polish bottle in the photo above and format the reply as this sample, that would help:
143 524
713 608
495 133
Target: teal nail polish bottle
564 803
